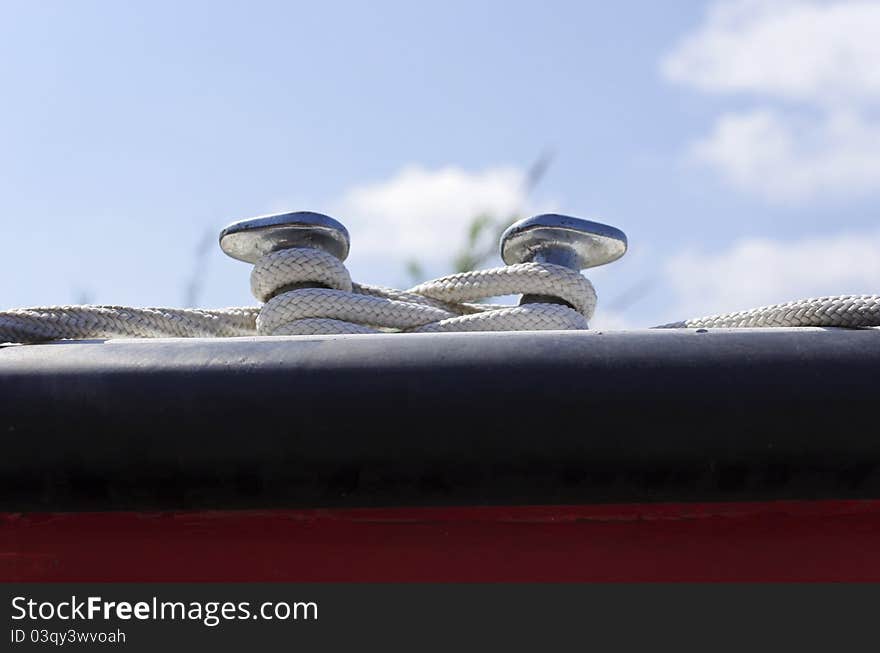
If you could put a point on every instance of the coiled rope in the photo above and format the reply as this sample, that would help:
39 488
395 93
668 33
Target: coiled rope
307 291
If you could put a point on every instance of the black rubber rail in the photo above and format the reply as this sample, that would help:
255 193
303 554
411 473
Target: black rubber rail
445 419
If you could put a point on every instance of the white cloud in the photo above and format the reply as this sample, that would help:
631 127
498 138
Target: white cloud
787 158
816 68
423 214
794 49
756 272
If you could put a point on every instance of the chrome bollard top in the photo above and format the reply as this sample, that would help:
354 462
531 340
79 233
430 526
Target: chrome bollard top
563 240
248 240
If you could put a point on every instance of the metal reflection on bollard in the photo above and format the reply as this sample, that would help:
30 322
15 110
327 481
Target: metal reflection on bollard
560 240
248 240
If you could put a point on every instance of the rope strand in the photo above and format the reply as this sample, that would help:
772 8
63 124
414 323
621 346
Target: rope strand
309 292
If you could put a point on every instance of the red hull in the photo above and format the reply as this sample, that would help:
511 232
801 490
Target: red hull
778 541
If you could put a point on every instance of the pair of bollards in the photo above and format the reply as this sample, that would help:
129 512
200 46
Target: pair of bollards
548 238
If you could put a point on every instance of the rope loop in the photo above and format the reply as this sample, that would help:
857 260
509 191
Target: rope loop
521 278
298 266
439 305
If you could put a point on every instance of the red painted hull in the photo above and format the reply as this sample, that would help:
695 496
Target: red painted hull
776 541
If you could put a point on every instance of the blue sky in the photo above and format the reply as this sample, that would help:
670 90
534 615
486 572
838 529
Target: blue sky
735 142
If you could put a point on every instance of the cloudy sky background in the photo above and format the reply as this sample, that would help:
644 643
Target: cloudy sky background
736 142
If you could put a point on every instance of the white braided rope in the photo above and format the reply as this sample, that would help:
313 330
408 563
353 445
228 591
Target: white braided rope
439 305
285 281
77 322
838 311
